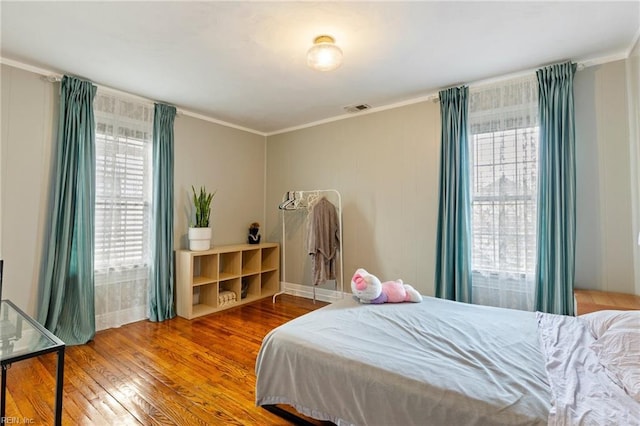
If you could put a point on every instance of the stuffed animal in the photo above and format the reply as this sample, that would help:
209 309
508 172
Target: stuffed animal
367 288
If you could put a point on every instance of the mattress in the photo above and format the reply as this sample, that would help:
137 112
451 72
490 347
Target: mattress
431 363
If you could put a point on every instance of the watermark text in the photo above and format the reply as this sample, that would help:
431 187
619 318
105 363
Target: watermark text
17 420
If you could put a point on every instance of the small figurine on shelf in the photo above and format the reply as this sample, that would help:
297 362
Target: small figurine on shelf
254 233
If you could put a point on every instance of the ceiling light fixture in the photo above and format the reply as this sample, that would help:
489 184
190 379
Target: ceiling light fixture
324 55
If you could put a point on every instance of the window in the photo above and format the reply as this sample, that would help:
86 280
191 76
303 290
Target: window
504 200
504 138
123 201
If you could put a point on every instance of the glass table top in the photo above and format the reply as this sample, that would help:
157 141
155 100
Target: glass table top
21 336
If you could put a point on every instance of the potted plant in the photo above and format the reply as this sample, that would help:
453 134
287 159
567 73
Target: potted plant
200 231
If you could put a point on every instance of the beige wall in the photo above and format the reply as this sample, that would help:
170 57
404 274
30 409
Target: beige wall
229 160
605 240
28 108
223 159
385 165
633 81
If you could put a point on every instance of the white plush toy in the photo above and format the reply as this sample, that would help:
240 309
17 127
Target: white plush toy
368 289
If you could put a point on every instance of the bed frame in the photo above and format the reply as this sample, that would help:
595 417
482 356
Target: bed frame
295 418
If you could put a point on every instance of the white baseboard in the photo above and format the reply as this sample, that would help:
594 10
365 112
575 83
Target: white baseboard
322 294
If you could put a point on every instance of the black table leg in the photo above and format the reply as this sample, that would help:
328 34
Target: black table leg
3 403
59 386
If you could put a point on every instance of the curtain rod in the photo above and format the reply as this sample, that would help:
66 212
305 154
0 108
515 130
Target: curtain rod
56 78
435 97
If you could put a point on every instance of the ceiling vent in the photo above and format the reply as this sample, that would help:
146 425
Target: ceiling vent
356 108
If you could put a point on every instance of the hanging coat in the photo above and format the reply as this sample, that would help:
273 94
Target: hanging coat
324 241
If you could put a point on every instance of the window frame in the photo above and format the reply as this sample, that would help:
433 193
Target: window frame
129 137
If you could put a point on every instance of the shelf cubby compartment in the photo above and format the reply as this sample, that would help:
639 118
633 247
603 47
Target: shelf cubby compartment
204 300
209 295
270 258
205 269
250 261
269 282
253 286
230 265
233 285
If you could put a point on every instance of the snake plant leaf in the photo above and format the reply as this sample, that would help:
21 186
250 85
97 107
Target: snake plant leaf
202 203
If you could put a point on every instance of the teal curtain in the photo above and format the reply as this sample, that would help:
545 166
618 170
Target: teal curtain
453 239
161 284
556 190
66 292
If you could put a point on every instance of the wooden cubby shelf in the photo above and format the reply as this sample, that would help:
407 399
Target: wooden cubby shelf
204 277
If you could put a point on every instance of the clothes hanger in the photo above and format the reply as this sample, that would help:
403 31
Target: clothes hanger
287 204
292 202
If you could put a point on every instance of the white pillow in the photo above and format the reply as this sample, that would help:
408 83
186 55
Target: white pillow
618 350
601 321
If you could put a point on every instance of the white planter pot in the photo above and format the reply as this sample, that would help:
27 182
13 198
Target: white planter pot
199 239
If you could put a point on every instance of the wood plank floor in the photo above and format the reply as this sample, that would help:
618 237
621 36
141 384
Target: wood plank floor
177 372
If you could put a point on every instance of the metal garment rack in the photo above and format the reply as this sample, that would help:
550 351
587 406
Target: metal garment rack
296 200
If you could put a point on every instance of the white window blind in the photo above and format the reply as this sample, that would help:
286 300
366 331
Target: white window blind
123 200
503 119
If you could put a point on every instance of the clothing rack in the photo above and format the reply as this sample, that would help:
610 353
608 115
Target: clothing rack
296 200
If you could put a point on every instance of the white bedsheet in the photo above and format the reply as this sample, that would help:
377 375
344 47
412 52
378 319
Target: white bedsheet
582 392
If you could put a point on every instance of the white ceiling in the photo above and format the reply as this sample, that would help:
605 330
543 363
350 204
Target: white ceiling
245 62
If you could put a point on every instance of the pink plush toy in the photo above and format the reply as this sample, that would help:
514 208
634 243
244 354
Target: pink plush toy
368 289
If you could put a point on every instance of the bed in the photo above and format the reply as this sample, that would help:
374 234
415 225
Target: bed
440 362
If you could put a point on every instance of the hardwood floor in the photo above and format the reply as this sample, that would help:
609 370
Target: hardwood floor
177 372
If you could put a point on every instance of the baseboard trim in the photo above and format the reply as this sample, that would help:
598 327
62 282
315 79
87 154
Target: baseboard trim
322 294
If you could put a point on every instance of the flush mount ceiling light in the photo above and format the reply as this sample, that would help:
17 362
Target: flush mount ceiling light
324 55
